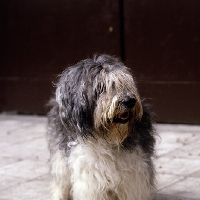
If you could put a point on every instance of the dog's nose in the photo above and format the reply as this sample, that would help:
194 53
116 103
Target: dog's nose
129 102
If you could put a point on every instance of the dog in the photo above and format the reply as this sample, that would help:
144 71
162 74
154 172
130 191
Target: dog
100 134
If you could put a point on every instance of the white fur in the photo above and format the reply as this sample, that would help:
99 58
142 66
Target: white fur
98 170
60 185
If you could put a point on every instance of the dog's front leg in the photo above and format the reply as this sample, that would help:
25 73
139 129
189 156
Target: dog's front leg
90 191
60 185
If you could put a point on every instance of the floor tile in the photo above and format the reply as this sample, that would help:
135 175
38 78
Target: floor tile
26 169
37 189
164 180
188 188
177 166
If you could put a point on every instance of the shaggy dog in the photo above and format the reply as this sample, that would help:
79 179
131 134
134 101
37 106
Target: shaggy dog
100 134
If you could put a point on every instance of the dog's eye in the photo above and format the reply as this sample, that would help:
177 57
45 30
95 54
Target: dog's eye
113 86
102 89
99 90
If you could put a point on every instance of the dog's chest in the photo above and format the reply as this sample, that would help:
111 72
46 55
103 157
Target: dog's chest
114 169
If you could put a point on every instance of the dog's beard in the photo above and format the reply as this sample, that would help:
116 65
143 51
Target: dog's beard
118 132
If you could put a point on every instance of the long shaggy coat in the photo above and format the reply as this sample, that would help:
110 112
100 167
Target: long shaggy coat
100 134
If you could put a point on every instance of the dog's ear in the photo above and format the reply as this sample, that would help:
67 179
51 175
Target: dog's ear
73 97
145 129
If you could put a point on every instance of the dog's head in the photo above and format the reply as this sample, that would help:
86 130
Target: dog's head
99 96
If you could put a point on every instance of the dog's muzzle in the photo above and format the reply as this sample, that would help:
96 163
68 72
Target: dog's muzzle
124 115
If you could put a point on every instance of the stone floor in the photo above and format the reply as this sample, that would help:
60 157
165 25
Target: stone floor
24 155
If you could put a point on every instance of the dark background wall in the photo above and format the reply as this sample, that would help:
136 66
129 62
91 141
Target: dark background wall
158 39
162 42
